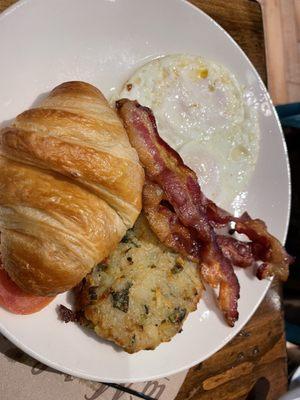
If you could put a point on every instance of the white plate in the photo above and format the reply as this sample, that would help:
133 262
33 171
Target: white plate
43 43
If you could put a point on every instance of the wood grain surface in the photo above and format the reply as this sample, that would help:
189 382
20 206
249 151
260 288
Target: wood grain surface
256 354
282 35
253 365
242 19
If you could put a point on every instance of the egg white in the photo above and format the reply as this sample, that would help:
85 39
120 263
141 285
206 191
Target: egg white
201 112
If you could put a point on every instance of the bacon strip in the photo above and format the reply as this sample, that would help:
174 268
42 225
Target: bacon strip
185 220
168 227
239 253
165 167
175 235
265 247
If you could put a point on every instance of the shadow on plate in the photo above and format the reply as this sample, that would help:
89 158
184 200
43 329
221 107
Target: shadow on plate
37 102
6 123
39 99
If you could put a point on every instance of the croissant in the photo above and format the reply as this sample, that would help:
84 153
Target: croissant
70 187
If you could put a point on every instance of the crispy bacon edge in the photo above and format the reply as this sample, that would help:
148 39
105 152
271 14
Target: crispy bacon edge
185 220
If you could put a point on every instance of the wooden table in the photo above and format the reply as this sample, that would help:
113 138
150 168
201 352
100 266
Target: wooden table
258 353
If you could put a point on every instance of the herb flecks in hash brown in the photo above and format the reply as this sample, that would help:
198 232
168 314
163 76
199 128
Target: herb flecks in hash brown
141 295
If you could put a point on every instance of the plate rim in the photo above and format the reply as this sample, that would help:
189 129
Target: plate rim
80 374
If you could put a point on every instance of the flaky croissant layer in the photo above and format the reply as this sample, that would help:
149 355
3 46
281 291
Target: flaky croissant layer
70 187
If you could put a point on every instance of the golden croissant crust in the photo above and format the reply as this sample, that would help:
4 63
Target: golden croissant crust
70 187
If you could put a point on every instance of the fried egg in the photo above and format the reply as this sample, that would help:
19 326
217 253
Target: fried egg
201 111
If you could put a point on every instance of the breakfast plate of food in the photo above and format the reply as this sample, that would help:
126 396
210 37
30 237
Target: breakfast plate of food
145 189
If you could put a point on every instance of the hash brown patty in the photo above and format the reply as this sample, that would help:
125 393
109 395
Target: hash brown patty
141 295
